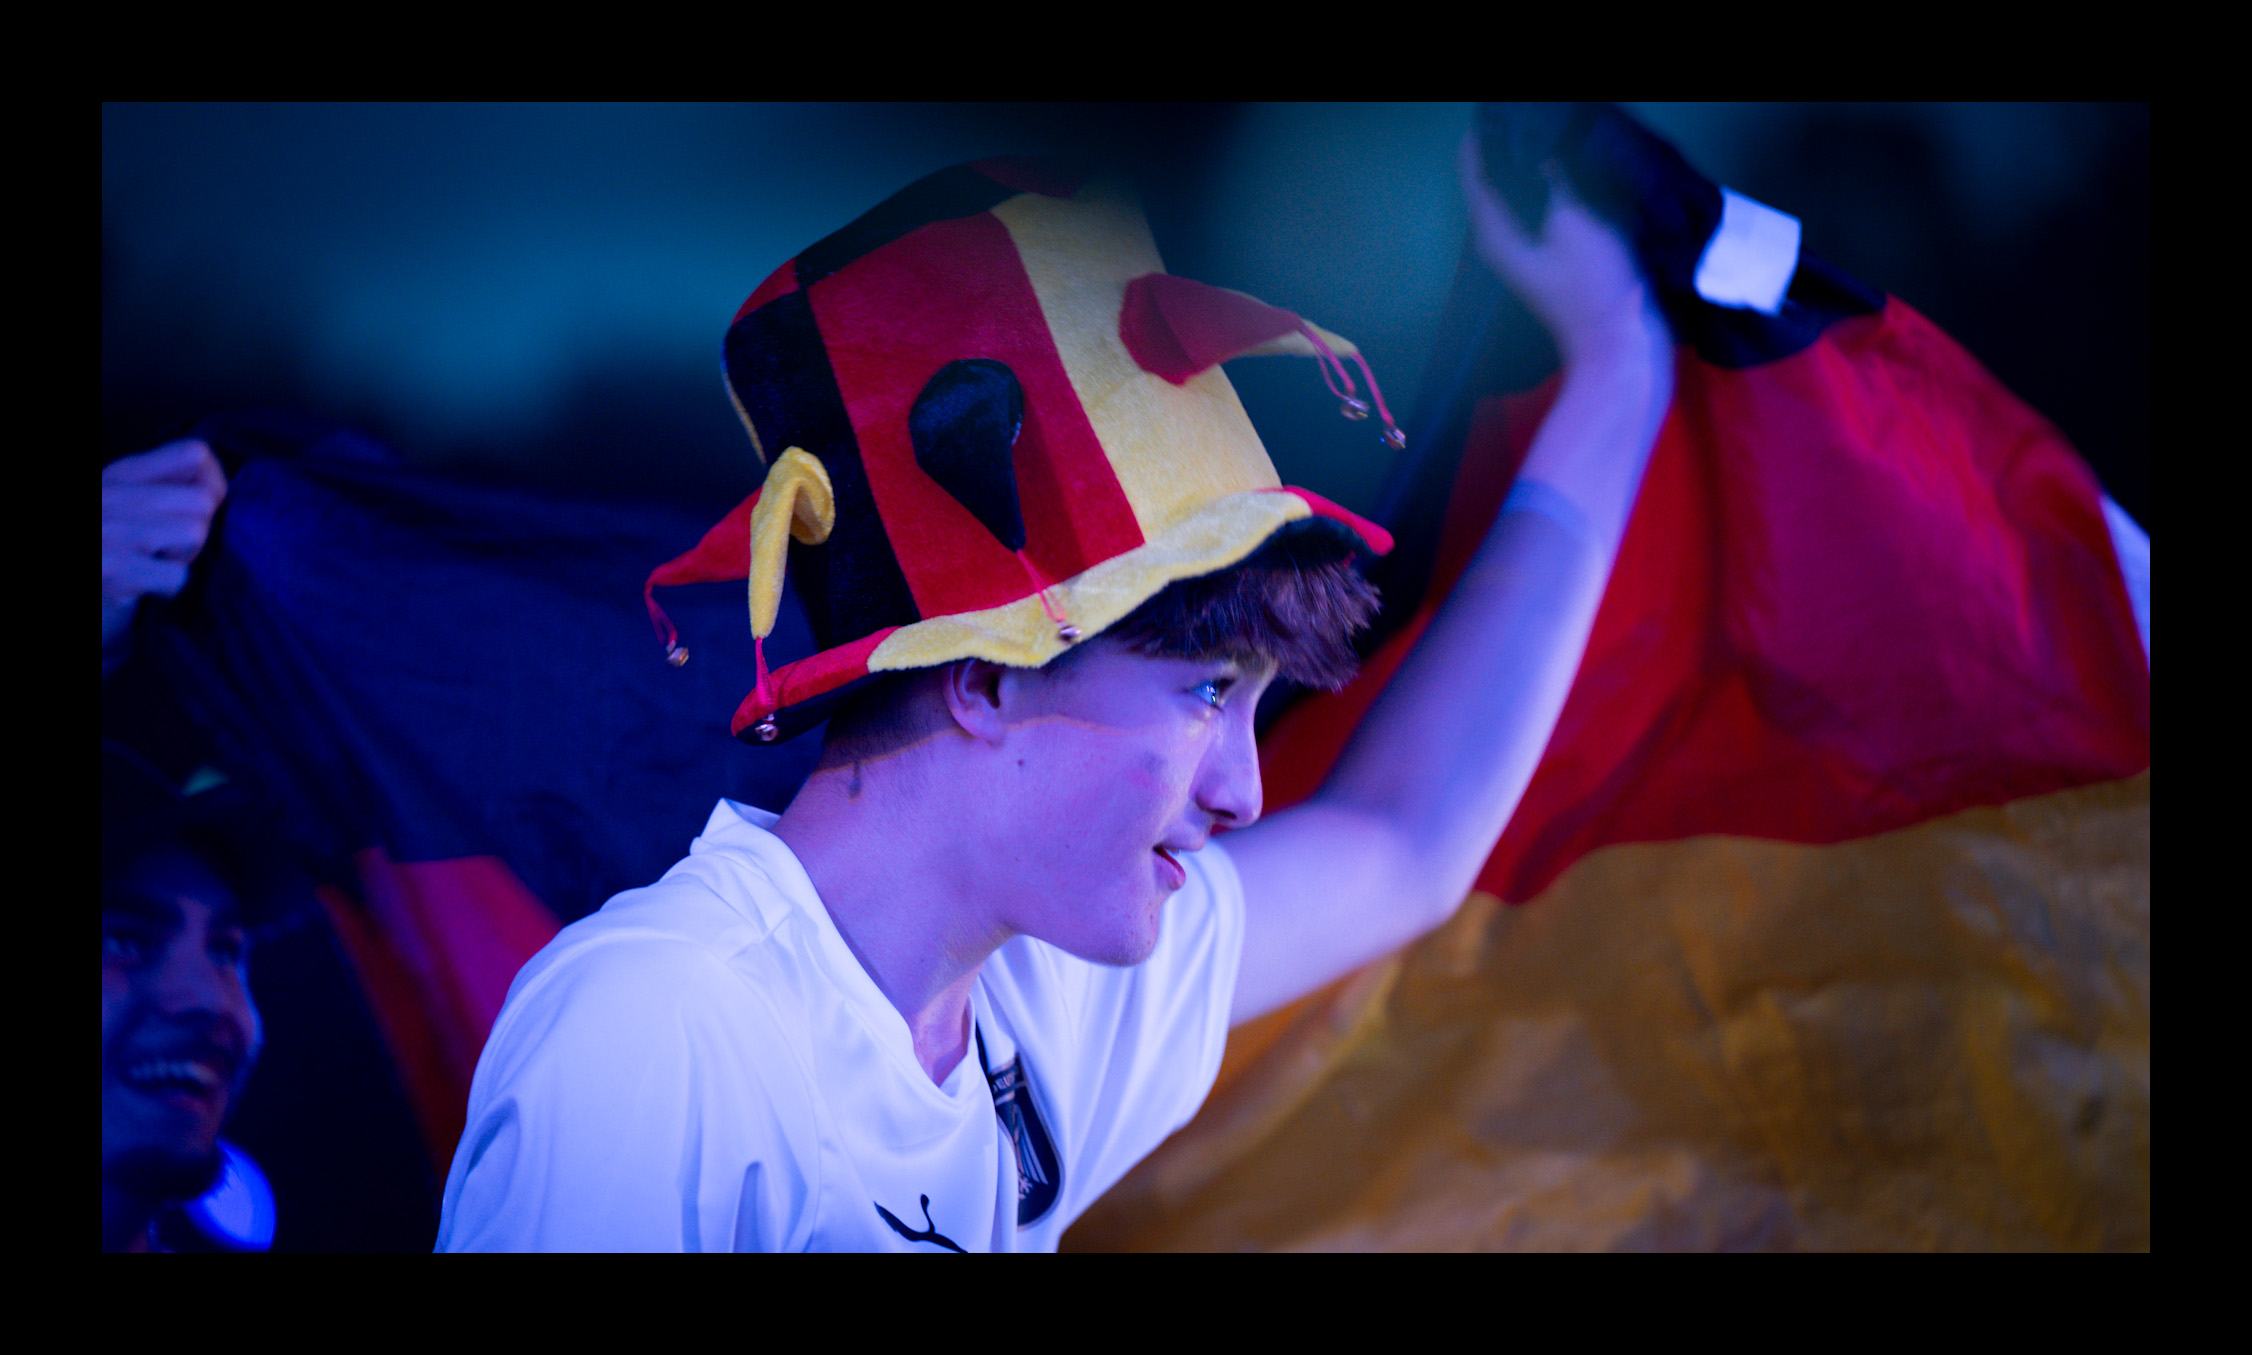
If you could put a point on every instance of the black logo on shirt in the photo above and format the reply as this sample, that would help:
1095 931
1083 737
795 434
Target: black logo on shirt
930 1231
1039 1172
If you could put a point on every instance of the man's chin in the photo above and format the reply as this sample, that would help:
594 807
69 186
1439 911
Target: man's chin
155 1173
1121 952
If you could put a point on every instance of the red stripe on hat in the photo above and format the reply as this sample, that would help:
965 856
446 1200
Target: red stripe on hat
810 677
723 556
1377 538
1176 327
892 318
781 282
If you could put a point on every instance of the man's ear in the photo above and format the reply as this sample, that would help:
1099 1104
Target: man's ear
974 696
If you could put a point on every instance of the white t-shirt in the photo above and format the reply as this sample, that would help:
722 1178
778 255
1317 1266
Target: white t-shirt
704 1066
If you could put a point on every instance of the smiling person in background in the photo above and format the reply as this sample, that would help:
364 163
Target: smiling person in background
179 1029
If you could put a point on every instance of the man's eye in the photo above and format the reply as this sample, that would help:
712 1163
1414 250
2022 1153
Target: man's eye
122 944
230 948
1213 694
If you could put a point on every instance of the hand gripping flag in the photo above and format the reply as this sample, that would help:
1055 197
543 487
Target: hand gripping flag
1836 870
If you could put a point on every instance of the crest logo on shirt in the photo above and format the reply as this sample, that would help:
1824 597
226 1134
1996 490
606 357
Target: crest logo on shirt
1039 1172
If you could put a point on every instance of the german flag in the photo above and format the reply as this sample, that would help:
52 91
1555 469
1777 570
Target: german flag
1825 921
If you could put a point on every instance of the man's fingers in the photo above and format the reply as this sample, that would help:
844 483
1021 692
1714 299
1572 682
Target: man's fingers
190 462
179 461
151 532
175 538
1578 276
163 499
156 515
1501 240
208 475
130 575
168 519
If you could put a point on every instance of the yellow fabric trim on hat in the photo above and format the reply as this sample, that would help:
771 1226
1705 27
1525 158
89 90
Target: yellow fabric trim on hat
1021 634
1175 449
797 501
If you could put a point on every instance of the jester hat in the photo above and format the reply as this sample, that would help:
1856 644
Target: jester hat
993 425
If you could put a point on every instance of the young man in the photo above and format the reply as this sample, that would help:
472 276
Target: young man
179 1029
989 956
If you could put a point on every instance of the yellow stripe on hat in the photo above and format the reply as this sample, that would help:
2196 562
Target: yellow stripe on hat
1175 449
1022 635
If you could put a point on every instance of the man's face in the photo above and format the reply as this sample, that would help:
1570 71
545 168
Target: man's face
1124 764
178 1028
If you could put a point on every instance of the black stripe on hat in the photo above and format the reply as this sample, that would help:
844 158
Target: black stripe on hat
851 585
957 192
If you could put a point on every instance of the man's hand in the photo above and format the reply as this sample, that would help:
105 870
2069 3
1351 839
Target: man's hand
1577 276
156 514
1393 841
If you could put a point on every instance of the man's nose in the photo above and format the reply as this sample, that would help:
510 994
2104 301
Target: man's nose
190 980
1229 788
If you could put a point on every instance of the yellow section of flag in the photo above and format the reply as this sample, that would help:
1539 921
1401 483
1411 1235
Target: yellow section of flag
1936 1038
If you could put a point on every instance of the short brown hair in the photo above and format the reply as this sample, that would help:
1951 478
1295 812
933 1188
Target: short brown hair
1298 601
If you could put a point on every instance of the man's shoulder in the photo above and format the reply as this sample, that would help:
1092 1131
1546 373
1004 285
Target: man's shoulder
635 1005
717 929
644 1061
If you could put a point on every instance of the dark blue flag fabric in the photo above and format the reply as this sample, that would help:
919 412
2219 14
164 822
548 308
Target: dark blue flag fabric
454 692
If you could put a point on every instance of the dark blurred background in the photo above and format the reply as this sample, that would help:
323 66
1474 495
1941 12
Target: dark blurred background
536 295
538 292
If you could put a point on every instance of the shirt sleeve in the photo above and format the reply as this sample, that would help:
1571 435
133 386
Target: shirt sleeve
600 1118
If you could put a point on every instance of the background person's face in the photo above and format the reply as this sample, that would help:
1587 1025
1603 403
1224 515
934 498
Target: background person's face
1125 763
178 1027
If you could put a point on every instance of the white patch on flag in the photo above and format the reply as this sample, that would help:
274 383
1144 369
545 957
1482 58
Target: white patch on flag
1749 260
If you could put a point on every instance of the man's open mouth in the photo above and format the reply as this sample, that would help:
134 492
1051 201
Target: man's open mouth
198 1077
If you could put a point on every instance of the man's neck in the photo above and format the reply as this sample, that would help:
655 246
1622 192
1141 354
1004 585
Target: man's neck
900 887
125 1220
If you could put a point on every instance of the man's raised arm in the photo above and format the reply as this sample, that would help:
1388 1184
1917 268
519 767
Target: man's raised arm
1392 842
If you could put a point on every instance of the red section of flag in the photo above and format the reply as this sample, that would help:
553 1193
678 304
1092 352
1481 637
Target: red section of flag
1863 586
436 945
956 289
